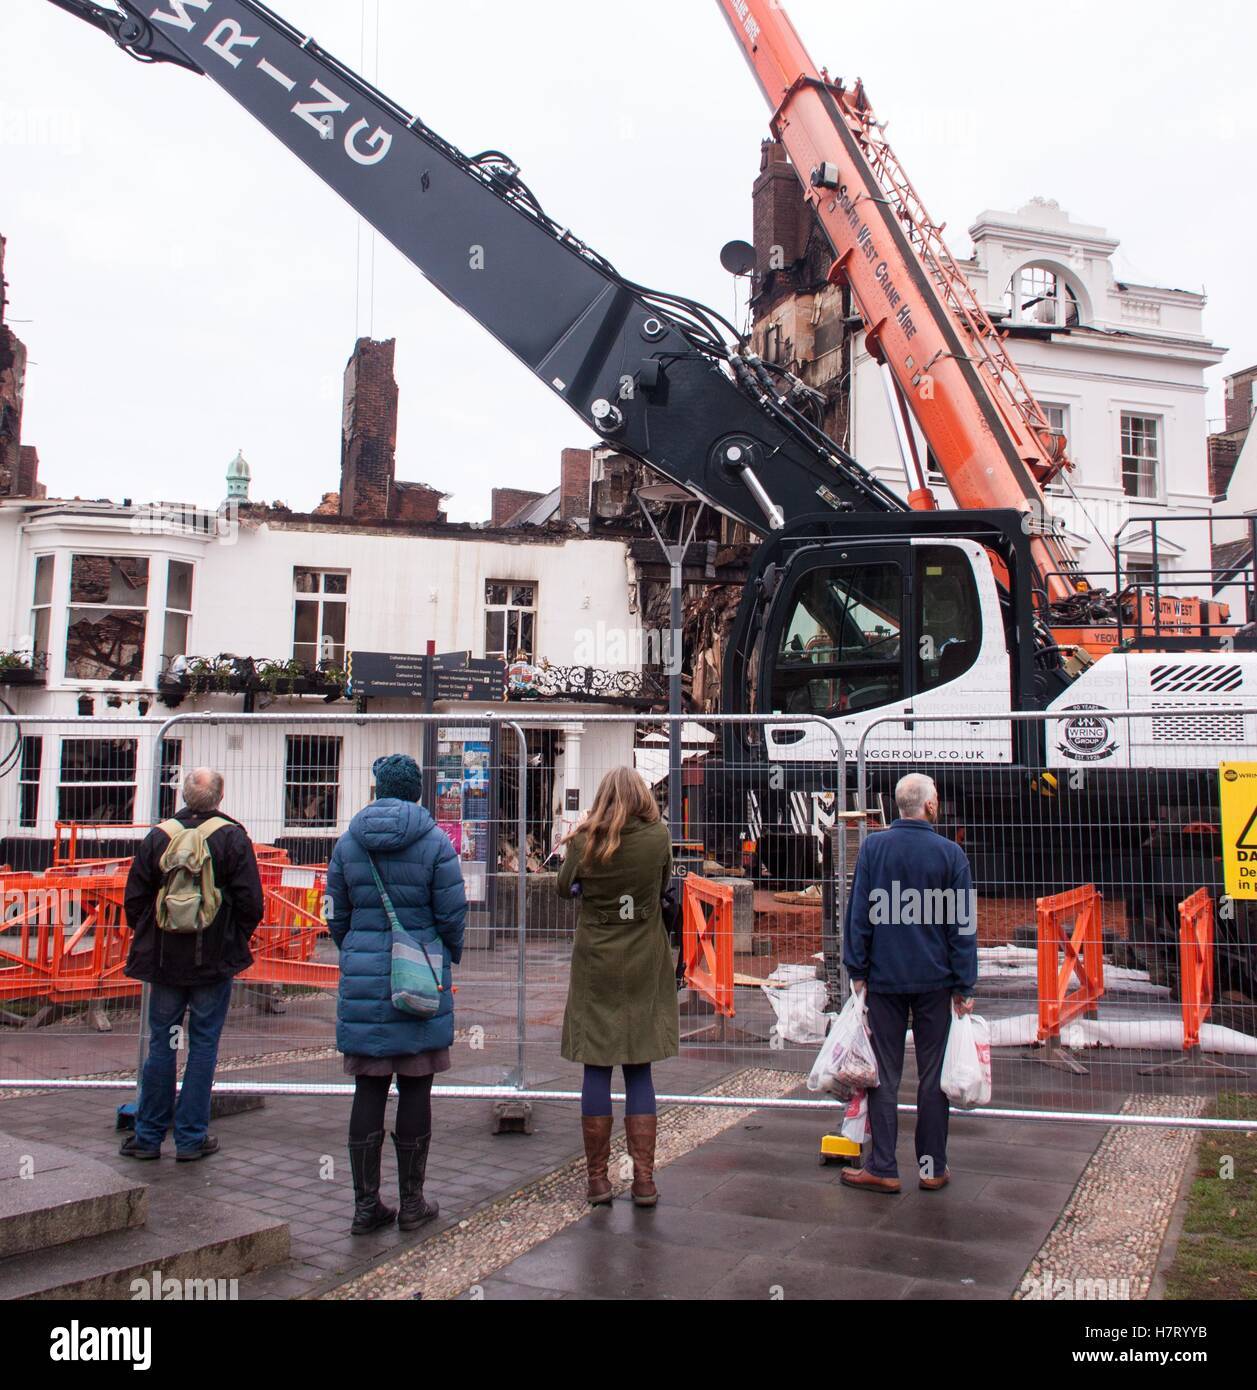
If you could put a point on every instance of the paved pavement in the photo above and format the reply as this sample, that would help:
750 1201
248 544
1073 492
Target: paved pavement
751 1214
288 1160
743 1214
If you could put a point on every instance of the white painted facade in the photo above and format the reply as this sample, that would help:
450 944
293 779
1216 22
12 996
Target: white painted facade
1135 350
1237 522
1241 495
402 590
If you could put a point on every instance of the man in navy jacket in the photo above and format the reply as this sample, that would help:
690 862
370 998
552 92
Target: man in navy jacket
911 944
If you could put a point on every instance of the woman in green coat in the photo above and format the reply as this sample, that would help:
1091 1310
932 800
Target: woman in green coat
622 998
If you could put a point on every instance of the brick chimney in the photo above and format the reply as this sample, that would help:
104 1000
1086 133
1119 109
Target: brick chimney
369 432
28 484
781 217
417 503
509 500
19 465
575 468
1240 400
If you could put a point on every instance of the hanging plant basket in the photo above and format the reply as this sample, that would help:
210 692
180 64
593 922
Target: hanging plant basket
21 669
243 675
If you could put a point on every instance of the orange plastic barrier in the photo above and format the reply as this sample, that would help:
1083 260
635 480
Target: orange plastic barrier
60 948
285 958
292 922
707 941
1195 944
292 893
93 956
65 847
1083 957
53 953
1195 959
27 929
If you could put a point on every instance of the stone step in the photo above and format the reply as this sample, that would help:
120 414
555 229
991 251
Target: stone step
50 1196
185 1238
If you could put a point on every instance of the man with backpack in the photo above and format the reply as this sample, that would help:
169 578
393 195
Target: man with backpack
193 900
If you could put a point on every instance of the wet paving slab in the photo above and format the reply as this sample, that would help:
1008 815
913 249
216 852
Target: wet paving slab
751 1214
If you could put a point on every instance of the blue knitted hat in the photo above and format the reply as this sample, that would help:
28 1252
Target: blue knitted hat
398 776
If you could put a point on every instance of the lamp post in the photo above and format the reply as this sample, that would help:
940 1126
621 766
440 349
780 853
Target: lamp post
674 552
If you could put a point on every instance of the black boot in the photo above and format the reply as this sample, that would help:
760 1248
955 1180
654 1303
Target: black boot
364 1163
412 1169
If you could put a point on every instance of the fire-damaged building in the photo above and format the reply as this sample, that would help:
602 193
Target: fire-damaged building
120 613
1118 367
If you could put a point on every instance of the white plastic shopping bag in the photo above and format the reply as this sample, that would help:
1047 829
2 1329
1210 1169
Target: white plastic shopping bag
855 1123
845 1062
857 1069
967 1062
825 1069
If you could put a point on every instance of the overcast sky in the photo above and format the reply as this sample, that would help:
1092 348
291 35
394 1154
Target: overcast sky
186 287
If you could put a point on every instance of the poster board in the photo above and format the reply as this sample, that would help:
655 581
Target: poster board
464 801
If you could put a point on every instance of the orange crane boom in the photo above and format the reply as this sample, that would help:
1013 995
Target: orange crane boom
991 438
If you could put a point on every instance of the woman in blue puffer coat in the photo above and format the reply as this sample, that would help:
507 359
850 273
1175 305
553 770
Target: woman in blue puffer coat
421 875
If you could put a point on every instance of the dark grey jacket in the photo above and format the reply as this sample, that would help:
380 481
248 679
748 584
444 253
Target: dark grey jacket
221 951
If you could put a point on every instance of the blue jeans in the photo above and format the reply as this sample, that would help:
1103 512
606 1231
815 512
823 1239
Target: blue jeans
206 1008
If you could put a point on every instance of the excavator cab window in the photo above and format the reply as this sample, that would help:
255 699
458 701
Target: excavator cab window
840 648
872 630
951 618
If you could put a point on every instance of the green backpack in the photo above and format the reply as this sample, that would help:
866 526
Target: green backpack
188 899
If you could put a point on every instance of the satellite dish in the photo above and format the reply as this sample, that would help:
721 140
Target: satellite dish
738 258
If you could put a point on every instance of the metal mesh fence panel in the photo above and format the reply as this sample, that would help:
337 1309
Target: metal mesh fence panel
754 993
75 802
295 783
1092 1000
1088 837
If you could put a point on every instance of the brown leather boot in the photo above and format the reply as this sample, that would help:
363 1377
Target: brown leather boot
596 1132
640 1131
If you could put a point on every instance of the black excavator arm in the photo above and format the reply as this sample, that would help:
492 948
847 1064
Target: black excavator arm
652 373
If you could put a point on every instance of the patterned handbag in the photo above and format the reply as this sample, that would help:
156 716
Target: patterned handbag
414 982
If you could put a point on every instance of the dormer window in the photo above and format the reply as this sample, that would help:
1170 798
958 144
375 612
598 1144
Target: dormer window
1041 297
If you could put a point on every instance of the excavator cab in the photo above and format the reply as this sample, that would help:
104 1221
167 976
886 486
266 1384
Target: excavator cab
871 626
882 622
862 628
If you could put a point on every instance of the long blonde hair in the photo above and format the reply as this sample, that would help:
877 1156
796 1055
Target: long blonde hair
621 795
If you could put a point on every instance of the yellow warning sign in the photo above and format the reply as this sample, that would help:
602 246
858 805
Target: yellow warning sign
1237 785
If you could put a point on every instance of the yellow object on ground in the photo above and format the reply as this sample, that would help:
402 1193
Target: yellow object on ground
835 1148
